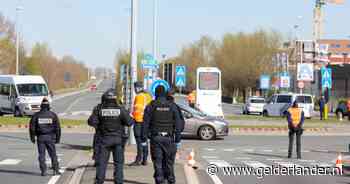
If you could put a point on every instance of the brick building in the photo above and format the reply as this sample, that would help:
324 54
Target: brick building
339 51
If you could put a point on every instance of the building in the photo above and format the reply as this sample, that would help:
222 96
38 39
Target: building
338 51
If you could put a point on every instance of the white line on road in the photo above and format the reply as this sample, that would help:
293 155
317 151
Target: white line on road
267 150
274 159
220 163
55 178
242 158
215 179
10 162
210 149
248 150
288 164
229 150
255 164
209 157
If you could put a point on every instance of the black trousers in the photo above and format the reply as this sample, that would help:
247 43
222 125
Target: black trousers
142 151
97 147
321 113
110 144
163 152
298 133
47 142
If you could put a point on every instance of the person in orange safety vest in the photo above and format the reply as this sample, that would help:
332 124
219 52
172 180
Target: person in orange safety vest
295 118
191 98
142 99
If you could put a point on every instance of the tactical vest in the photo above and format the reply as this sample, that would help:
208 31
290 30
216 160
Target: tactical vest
110 123
162 117
295 114
45 125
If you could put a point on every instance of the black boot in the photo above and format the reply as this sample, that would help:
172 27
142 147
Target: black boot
56 172
43 173
136 163
145 163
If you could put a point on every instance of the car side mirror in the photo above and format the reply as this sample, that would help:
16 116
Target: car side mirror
51 93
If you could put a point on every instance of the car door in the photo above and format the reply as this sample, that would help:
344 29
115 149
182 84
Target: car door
190 122
270 105
282 104
5 97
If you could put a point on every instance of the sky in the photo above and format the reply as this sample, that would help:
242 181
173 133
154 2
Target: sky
93 30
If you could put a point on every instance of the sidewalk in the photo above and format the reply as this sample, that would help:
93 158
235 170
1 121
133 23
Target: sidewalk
132 175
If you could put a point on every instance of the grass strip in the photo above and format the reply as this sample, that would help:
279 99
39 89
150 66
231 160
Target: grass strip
10 120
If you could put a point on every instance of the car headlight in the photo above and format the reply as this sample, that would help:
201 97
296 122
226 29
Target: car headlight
221 123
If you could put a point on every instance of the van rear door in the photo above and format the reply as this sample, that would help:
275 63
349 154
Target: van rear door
5 97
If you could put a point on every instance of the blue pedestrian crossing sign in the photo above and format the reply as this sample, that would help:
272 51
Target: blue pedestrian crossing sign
326 75
180 76
156 83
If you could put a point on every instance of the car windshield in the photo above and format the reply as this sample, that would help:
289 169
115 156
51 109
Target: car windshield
257 101
304 99
284 99
193 111
32 89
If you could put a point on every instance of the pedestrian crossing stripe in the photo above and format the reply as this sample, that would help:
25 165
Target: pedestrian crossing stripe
220 163
288 164
10 162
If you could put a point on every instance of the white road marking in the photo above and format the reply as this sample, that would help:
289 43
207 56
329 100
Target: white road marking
288 164
81 113
229 150
10 162
215 179
210 149
255 164
248 150
267 150
323 164
242 158
283 150
306 160
55 178
305 151
220 163
62 114
209 157
274 159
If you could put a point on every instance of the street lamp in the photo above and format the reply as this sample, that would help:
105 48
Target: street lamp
18 10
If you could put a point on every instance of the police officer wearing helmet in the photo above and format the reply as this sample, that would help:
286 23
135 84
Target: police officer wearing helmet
45 126
110 119
142 99
295 118
162 123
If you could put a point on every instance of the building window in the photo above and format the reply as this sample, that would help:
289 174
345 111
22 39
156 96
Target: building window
337 46
348 46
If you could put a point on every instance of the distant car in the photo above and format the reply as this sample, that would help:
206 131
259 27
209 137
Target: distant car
254 105
201 125
278 104
342 110
93 87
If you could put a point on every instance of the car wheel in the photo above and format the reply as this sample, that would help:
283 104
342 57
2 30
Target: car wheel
18 112
340 115
206 132
265 113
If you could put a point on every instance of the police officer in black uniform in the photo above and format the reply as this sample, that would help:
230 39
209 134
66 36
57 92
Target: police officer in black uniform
45 126
110 119
163 126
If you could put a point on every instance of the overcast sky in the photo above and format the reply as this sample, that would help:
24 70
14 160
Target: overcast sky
92 30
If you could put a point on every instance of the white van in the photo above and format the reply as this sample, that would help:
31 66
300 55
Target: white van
22 94
278 104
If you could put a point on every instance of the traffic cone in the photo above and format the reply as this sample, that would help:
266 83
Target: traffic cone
339 164
190 160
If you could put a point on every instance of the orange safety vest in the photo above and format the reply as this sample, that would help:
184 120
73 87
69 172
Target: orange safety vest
348 105
141 101
191 98
295 114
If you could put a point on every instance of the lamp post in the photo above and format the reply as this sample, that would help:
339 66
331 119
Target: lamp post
18 10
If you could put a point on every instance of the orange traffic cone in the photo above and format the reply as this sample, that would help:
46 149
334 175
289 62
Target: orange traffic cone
190 160
339 164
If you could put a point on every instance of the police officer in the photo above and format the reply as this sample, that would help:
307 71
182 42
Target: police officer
322 103
295 118
142 99
45 126
162 123
110 119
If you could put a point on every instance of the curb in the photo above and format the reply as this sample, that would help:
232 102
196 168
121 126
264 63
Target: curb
324 130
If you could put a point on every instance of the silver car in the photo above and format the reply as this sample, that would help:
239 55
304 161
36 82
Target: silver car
201 125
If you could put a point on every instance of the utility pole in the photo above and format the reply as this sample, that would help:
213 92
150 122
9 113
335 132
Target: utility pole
133 51
18 9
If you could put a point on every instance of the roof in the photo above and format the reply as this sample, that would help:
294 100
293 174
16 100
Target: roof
24 79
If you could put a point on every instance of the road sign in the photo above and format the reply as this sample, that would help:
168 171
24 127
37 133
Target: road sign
180 76
301 85
149 66
156 83
305 72
264 82
326 75
285 81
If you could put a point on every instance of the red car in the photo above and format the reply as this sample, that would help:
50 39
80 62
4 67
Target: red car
93 87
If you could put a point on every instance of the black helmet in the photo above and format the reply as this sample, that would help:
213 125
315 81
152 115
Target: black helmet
160 91
138 86
45 104
109 96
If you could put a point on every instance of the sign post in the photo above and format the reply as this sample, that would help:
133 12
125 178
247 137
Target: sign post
180 77
326 81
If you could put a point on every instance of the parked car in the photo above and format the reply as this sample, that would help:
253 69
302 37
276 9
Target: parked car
254 104
278 104
200 125
93 87
342 110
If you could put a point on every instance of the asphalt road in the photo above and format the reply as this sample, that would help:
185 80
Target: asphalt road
79 106
267 151
18 157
